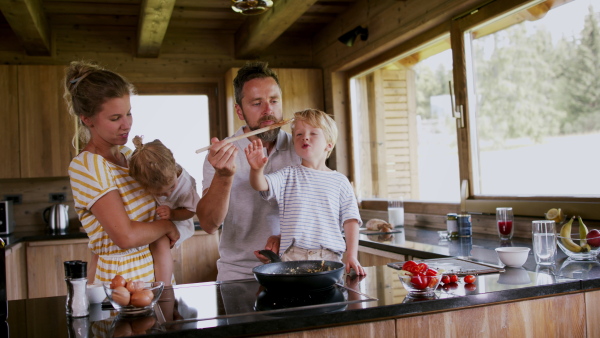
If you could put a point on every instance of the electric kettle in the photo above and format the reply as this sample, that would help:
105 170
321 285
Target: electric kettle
57 218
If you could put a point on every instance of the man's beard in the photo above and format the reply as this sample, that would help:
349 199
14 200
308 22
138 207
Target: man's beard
269 135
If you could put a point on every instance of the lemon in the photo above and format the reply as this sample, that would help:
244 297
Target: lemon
555 215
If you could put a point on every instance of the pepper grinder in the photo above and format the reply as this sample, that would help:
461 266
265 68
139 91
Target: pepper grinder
76 277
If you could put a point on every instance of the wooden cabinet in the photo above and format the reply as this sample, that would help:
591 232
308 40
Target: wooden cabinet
36 269
36 127
45 268
16 272
9 123
301 89
196 260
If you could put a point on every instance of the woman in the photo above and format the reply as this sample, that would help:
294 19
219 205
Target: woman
116 213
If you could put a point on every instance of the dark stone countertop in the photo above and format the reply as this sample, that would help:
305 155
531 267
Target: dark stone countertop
228 309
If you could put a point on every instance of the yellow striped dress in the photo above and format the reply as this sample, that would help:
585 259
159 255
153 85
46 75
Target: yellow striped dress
91 178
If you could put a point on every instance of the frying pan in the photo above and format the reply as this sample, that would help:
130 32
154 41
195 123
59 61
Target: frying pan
297 275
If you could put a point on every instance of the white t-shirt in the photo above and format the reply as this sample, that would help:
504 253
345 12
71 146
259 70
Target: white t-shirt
313 206
184 196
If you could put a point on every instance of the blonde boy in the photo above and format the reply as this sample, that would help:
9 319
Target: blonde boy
315 202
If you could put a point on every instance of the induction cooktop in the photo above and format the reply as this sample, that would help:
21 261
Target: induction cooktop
243 300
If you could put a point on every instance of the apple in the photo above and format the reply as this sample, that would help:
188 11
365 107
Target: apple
593 238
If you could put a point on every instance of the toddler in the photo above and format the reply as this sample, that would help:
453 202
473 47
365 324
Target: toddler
154 167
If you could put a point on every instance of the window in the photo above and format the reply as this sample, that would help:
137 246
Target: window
179 121
404 136
534 101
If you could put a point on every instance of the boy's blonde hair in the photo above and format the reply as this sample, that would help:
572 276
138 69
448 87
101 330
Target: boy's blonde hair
318 119
152 164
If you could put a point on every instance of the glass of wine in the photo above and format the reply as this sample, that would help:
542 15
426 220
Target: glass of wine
504 222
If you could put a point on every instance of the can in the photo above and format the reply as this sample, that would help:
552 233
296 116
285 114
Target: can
464 225
452 225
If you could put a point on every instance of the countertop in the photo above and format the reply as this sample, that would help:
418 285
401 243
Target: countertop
201 309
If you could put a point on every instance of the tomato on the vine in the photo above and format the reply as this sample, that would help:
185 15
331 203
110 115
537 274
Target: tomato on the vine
453 278
469 279
445 279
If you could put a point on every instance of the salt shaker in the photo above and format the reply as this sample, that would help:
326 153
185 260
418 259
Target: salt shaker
76 277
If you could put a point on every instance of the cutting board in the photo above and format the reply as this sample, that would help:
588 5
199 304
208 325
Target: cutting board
379 232
457 266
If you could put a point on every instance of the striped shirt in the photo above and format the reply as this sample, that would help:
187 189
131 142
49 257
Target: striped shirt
313 206
92 177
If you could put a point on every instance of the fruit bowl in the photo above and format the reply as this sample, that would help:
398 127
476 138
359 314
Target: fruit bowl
572 247
139 302
420 286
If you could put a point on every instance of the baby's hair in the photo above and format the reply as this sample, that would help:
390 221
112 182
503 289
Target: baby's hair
318 119
152 164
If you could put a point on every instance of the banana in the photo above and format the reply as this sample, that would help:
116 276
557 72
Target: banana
583 231
565 237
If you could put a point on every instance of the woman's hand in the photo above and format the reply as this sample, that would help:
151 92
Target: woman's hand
221 156
173 235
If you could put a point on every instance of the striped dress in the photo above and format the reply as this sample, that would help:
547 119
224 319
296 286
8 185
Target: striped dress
91 178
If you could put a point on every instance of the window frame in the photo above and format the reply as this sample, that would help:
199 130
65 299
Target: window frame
534 206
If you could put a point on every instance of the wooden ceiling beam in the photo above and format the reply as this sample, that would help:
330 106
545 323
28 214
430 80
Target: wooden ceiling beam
258 32
28 21
154 21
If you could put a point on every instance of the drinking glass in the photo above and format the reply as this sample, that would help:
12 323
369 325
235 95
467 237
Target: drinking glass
504 222
544 241
396 212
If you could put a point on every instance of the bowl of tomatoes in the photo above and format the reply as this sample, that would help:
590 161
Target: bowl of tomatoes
132 297
419 279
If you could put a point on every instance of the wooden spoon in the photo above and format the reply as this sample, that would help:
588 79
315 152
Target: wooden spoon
254 132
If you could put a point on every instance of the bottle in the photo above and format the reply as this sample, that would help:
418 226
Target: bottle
78 304
464 225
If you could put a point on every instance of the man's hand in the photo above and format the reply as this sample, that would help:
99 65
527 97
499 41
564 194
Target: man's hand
221 156
164 212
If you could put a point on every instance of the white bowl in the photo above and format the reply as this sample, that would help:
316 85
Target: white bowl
95 293
513 256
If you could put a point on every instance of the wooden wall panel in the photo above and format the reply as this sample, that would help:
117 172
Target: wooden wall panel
199 258
35 198
561 316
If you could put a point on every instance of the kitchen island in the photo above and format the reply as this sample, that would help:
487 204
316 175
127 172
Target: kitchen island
530 301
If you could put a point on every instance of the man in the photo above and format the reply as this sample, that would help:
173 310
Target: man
248 221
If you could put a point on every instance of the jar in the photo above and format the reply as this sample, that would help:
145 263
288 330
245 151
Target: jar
452 225
464 225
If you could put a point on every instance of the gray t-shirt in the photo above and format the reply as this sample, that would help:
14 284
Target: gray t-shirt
250 219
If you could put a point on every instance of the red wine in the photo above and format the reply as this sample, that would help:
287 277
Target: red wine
505 227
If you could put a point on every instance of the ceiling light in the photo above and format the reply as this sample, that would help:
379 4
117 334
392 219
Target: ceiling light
251 7
349 38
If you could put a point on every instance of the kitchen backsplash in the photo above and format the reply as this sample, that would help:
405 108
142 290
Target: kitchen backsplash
35 196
